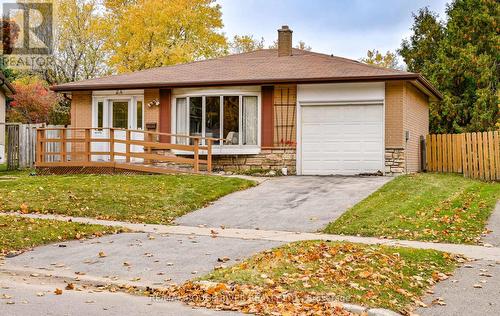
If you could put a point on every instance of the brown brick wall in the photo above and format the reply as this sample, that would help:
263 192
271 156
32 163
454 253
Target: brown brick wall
81 109
81 116
394 105
152 114
416 121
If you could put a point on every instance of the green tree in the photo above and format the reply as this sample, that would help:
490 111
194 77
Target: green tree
461 59
146 34
423 44
374 57
245 43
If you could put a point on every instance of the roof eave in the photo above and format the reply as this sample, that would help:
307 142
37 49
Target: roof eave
122 86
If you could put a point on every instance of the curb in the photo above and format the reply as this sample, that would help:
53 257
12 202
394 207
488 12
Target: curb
96 282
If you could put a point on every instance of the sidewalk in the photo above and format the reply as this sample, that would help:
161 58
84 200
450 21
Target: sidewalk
471 251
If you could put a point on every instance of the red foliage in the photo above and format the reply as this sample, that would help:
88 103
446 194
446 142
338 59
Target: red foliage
10 34
33 102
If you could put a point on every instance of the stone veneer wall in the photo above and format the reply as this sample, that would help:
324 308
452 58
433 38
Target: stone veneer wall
394 161
268 159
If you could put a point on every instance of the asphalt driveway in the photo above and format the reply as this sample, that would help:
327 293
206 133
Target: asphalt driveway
294 203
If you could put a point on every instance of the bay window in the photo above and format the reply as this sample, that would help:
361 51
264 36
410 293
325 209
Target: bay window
233 119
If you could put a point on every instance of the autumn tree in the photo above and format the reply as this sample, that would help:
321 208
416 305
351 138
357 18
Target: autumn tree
460 57
245 43
374 57
301 45
146 34
79 42
33 102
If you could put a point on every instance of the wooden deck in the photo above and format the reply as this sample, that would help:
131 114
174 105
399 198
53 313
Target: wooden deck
124 149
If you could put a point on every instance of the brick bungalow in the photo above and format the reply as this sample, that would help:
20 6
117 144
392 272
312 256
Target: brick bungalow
313 113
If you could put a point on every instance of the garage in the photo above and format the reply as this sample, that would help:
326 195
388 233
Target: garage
342 138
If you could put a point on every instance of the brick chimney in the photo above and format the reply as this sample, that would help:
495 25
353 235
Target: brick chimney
284 41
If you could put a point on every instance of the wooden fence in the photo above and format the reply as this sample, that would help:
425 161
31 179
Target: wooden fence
136 150
476 155
20 145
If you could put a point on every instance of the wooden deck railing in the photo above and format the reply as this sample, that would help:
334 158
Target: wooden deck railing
123 148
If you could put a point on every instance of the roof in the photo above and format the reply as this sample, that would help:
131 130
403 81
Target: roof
257 67
5 84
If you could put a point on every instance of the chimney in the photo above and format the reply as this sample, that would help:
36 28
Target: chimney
284 41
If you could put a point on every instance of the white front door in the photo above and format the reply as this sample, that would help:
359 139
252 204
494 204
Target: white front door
342 139
119 113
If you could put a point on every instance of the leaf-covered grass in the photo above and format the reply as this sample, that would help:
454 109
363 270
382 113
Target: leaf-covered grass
138 198
376 276
427 206
18 233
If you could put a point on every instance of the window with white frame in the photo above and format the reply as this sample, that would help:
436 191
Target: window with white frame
118 111
231 118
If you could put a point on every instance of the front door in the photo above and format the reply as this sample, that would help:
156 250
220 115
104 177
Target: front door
120 119
123 113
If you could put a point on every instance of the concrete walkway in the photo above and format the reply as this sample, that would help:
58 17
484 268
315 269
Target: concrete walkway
493 225
304 204
473 252
135 258
472 290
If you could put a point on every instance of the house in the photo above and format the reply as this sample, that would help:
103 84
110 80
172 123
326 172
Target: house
5 90
313 113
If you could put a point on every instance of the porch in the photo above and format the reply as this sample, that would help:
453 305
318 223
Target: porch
110 150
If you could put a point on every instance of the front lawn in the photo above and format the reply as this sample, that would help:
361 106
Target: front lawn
427 206
18 233
304 277
138 198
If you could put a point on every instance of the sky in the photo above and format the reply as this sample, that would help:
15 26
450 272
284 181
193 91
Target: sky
347 28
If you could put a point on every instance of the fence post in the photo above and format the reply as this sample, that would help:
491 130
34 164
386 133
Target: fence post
111 145
148 149
87 145
39 146
127 146
63 145
465 166
209 155
196 155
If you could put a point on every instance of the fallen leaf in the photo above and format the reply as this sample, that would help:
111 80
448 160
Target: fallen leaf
58 291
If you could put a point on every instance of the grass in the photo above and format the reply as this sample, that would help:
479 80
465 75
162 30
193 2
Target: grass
3 167
375 276
428 207
139 198
17 233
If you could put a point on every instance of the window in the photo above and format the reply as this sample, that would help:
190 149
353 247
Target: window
120 114
139 114
100 114
212 117
195 117
249 128
231 118
181 121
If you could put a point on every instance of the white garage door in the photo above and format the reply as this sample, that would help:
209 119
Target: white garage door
342 139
